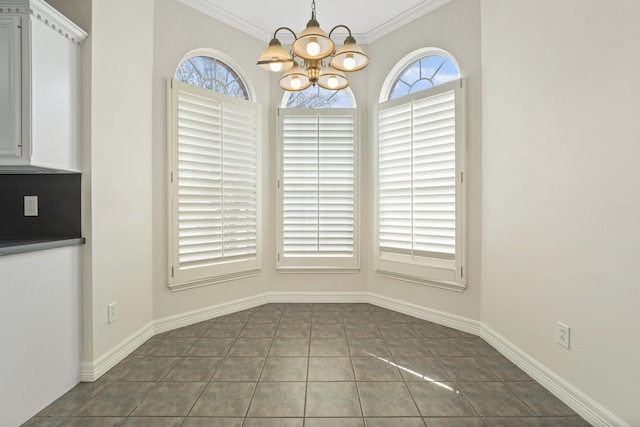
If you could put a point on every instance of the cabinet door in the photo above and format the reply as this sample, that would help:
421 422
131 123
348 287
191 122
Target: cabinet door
10 88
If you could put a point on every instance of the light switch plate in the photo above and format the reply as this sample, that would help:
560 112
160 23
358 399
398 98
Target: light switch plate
30 205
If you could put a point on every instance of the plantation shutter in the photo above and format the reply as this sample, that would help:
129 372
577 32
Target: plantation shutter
417 177
318 184
215 198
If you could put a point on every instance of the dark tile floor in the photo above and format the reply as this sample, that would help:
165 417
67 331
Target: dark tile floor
311 365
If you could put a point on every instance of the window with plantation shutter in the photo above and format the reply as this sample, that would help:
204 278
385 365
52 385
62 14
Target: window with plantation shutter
420 161
213 158
317 189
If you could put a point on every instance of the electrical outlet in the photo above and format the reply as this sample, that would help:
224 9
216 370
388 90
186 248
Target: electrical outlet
563 334
112 312
30 205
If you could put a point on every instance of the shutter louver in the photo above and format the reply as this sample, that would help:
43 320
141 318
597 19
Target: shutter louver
318 185
217 174
417 171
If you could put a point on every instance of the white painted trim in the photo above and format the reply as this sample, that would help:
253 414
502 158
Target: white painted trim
48 15
91 371
582 404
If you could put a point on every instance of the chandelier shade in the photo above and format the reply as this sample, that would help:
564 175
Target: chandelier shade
320 62
275 58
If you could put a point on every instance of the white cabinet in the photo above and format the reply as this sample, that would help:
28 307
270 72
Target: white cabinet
40 75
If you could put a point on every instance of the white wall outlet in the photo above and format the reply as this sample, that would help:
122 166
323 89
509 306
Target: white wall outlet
563 334
112 312
30 205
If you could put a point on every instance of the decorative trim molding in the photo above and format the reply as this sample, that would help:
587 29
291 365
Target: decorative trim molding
567 393
47 15
586 407
91 371
216 12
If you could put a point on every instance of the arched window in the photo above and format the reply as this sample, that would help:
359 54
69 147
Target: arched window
210 73
318 97
420 155
213 170
317 184
424 73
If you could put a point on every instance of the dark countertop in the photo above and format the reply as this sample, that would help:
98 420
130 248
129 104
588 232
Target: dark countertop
15 245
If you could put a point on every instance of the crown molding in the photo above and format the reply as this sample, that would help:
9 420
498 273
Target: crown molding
222 15
210 9
403 19
47 15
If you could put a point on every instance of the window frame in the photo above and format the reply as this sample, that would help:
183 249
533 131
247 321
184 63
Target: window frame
318 264
431 271
223 270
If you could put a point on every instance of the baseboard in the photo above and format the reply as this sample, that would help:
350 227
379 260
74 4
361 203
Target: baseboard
567 393
582 404
91 371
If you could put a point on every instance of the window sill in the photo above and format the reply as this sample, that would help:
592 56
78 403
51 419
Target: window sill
451 286
320 270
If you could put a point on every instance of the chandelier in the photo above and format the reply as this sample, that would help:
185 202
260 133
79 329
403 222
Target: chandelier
313 47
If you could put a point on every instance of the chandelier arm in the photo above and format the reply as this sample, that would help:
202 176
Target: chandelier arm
340 26
285 28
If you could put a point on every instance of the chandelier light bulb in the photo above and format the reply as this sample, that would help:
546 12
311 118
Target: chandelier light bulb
275 66
332 82
349 62
313 48
295 82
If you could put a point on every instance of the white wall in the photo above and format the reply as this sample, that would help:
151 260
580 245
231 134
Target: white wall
561 193
454 27
40 330
118 257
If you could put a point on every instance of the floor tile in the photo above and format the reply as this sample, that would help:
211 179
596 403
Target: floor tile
394 422
92 422
44 421
447 347
422 368
224 330
327 307
169 399
239 369
259 330
172 347
332 399
278 399
116 399
250 347
192 331
298 307
142 369
293 317
515 422
357 317
327 317
333 422
265 317
504 370
148 345
69 402
466 369
375 369
193 369
330 369
327 330
273 422
386 399
224 399
431 330
541 401
455 422
408 347
389 317
369 347
153 421
239 317
566 421
289 347
397 330
285 369
362 330
212 422
211 347
329 347
440 399
294 330
494 399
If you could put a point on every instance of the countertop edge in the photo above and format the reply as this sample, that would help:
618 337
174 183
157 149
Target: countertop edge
40 246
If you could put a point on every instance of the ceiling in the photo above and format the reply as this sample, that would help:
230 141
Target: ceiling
367 19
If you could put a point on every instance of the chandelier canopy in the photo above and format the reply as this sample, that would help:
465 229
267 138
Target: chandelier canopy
313 47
